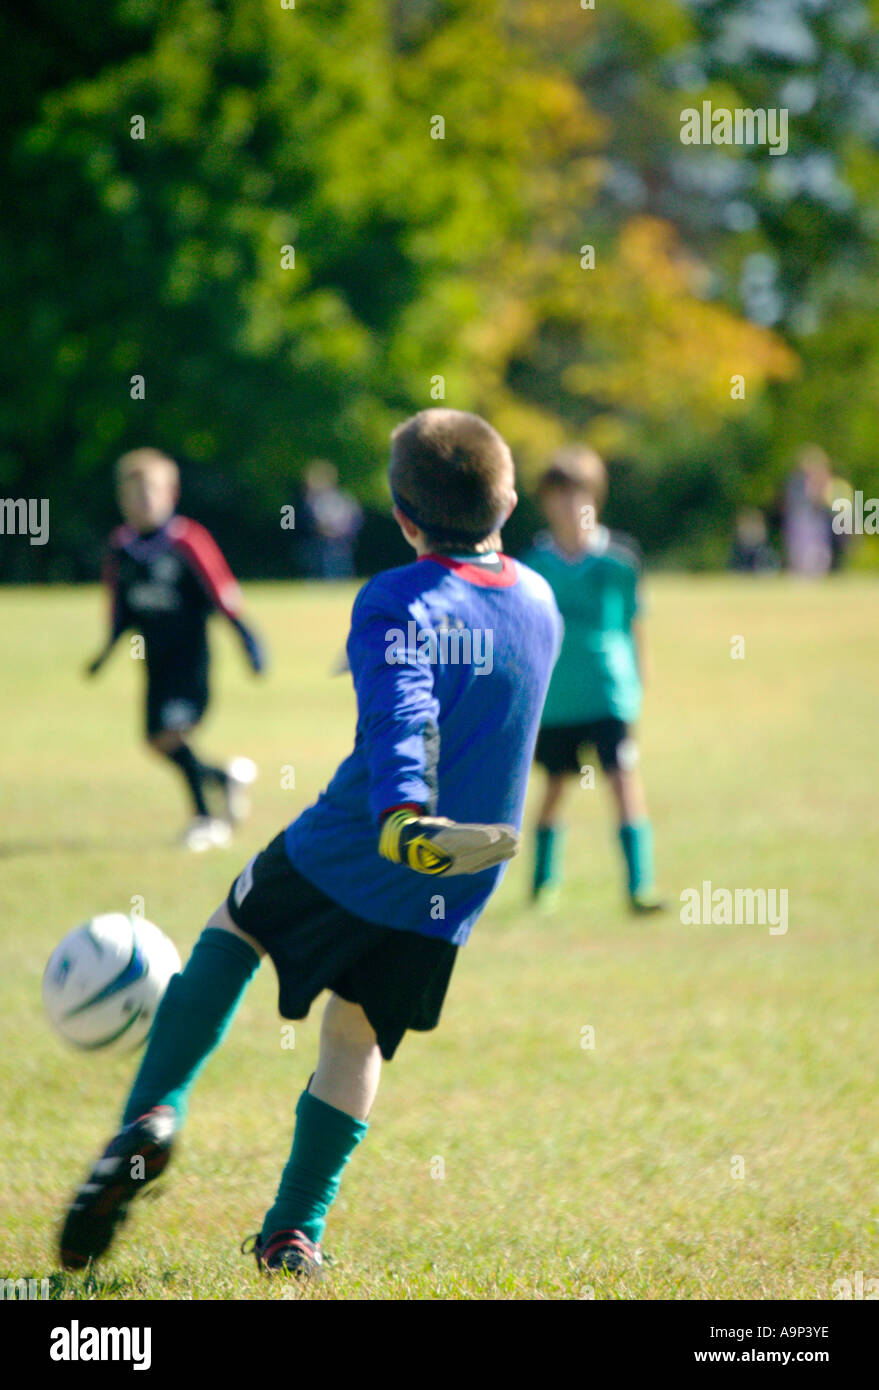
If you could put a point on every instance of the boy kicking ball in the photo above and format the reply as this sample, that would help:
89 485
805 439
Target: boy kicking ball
371 891
166 576
595 692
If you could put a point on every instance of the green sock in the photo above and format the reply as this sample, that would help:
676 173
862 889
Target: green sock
192 1018
549 855
637 842
323 1141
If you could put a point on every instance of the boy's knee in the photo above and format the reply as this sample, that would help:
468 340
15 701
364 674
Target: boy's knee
625 780
220 918
346 1025
165 742
555 786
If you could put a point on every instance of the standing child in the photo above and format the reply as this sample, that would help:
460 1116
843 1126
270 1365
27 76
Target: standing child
166 576
372 890
595 693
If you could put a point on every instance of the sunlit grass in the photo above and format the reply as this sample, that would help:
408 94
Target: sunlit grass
600 1172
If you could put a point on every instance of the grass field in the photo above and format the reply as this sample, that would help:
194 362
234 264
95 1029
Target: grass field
569 1172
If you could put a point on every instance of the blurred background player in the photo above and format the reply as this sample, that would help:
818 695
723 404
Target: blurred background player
166 576
595 693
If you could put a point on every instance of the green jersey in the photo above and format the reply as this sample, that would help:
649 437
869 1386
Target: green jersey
596 675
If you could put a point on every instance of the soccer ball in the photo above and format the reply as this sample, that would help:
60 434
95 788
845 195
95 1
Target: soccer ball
104 983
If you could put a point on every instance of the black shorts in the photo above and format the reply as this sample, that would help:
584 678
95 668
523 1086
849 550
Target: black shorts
176 696
559 747
399 978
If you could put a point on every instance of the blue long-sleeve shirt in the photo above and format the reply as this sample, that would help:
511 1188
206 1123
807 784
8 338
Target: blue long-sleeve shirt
451 660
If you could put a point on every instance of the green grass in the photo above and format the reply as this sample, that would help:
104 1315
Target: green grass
599 1173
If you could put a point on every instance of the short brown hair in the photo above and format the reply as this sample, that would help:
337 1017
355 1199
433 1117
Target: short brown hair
452 474
576 466
144 460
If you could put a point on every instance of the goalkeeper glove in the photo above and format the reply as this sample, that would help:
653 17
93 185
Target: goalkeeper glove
434 845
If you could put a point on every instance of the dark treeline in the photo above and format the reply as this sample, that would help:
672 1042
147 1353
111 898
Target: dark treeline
252 236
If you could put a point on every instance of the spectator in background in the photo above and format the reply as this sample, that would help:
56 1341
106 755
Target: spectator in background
838 488
751 551
806 518
328 522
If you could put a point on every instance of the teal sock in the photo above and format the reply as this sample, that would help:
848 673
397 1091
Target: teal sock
637 843
192 1018
549 855
323 1141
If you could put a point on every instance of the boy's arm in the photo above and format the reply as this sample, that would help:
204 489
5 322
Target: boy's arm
642 651
206 560
635 614
398 721
120 618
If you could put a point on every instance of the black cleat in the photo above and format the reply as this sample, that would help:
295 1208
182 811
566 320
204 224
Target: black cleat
101 1204
286 1252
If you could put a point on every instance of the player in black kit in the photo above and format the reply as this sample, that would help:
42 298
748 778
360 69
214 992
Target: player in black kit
166 575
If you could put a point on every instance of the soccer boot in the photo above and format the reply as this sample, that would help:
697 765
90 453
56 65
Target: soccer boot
206 832
286 1252
241 774
102 1202
546 899
647 900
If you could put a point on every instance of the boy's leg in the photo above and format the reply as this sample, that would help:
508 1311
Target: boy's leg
550 838
330 1122
195 1012
171 743
349 1061
636 837
193 1017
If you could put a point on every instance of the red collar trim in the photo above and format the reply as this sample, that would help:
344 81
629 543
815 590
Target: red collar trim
475 574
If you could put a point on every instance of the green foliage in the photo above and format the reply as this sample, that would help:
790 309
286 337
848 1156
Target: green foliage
421 269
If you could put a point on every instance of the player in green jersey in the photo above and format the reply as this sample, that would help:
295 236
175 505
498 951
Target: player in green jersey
594 697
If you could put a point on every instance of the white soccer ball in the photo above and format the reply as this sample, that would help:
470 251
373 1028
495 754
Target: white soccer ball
104 983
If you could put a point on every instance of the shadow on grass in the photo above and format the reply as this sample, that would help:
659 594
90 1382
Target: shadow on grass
23 849
18 849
